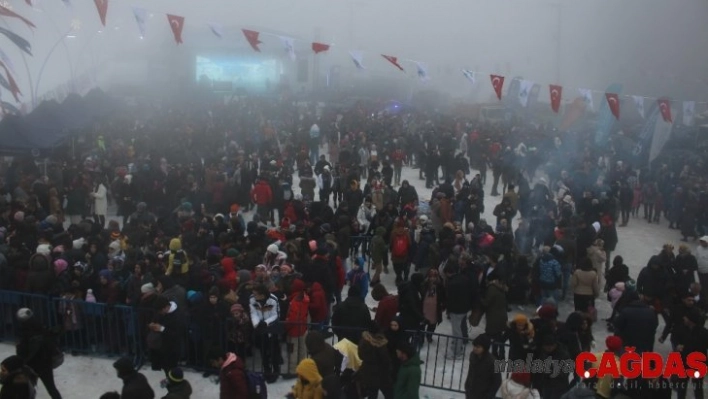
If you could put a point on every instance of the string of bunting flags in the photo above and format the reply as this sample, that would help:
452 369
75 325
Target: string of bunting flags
252 37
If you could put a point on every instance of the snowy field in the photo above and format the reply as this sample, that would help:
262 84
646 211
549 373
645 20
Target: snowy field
87 378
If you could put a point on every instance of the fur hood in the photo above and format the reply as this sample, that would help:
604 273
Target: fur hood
375 340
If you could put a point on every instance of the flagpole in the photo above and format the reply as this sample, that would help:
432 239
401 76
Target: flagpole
29 75
46 60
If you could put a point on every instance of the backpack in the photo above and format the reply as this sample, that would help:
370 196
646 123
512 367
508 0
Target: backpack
257 388
400 247
546 271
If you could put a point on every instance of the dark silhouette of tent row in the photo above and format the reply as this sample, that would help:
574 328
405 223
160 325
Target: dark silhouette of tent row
51 123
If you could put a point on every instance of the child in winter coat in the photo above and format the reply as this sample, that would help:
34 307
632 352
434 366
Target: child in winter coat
615 293
309 381
240 332
359 277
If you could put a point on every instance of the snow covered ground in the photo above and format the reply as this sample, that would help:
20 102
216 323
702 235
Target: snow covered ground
87 378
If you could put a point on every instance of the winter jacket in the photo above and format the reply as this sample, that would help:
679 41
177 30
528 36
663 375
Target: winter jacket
410 306
457 290
585 283
268 311
327 359
386 311
318 304
495 308
549 272
378 246
180 390
19 384
353 316
408 379
135 385
296 321
702 259
178 261
653 282
482 381
636 324
365 216
375 370
233 382
100 200
307 370
40 277
262 194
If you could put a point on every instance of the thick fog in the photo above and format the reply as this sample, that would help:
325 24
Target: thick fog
652 47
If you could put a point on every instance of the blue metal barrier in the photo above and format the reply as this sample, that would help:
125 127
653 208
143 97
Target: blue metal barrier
97 329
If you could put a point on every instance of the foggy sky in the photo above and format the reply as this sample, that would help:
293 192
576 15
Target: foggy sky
653 47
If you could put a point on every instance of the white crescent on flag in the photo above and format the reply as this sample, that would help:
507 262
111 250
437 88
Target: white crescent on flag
495 82
554 93
612 100
175 23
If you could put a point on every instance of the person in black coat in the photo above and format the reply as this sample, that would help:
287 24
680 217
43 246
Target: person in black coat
482 381
166 334
351 316
135 385
619 272
18 380
36 348
410 302
550 386
636 324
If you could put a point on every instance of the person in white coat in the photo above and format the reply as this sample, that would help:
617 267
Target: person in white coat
100 203
519 387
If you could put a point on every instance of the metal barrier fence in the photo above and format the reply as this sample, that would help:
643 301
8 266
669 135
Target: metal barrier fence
102 330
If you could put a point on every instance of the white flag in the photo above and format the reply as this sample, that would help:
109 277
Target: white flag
7 61
357 58
586 94
689 109
525 87
639 103
140 18
217 30
422 71
469 75
289 45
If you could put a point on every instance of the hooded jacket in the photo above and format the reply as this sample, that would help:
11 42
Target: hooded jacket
352 315
178 262
135 385
309 381
408 379
232 378
376 367
178 390
378 245
327 359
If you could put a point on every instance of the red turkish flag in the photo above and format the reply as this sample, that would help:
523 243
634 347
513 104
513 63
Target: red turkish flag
556 94
13 84
319 47
393 60
102 6
665 108
4 11
252 37
177 24
498 84
614 103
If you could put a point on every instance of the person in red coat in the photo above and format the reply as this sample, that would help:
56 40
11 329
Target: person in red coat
262 195
228 266
233 382
318 304
387 309
296 326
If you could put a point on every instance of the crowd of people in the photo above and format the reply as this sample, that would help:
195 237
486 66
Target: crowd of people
187 253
